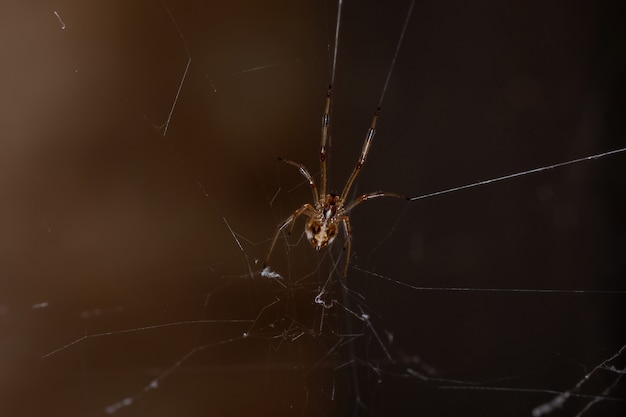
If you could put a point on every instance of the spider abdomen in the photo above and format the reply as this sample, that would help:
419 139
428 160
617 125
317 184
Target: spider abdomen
320 231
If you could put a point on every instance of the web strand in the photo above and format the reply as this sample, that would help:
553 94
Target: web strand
395 55
336 47
182 80
518 174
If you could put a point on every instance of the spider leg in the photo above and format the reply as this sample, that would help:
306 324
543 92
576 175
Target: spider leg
370 196
325 123
305 209
347 246
366 148
305 173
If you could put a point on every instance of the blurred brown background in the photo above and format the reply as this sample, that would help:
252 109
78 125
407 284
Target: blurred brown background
107 225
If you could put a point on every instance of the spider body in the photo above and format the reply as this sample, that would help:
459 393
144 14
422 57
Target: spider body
321 228
328 211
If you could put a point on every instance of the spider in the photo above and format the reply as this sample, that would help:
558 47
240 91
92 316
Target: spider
329 210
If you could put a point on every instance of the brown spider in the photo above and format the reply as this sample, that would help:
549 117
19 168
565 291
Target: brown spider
328 210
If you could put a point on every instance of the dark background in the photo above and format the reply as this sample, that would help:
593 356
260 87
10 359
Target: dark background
107 225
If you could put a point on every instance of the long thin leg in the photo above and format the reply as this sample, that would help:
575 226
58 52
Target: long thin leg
366 148
305 173
347 246
370 196
307 208
325 123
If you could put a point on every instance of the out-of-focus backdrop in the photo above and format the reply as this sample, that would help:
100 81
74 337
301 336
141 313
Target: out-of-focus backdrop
139 187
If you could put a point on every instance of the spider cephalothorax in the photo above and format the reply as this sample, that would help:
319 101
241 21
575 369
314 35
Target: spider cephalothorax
329 210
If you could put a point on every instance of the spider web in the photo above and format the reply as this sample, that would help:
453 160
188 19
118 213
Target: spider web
141 196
